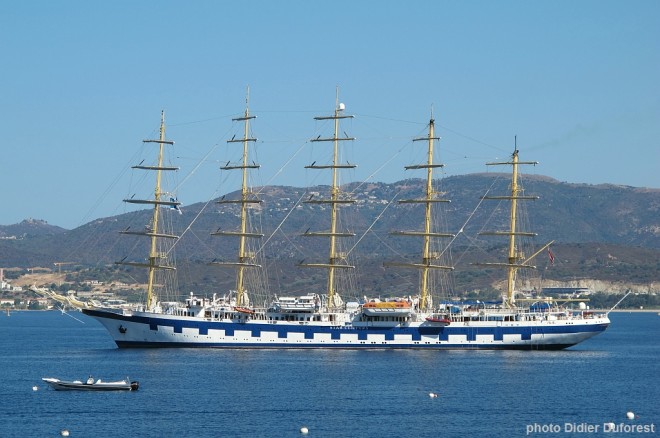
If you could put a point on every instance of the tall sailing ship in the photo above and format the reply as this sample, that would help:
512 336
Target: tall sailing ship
322 319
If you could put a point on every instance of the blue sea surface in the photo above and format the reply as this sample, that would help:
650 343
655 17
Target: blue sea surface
274 393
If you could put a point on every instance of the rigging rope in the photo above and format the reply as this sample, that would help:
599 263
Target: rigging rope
281 223
372 224
460 231
194 169
281 169
368 178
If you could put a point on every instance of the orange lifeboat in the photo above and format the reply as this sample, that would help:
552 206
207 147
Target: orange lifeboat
391 308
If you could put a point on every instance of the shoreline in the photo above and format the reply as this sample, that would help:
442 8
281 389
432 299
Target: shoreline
632 310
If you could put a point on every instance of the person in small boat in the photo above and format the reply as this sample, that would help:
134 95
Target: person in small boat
90 380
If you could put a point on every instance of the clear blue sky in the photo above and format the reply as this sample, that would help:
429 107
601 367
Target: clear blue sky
83 82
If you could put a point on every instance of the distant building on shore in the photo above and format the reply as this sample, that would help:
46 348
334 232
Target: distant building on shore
573 291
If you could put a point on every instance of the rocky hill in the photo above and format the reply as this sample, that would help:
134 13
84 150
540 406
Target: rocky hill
605 232
29 228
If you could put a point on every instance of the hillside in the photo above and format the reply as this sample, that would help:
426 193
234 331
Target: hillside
29 228
602 232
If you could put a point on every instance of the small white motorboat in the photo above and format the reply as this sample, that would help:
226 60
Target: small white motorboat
91 385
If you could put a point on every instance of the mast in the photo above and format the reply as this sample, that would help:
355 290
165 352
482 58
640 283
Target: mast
247 198
427 234
516 259
335 258
153 231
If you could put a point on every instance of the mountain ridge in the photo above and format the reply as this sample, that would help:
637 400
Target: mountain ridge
582 218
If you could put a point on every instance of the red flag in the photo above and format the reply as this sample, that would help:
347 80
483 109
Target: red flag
551 256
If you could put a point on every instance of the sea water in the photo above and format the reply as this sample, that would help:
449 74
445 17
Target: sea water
580 391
